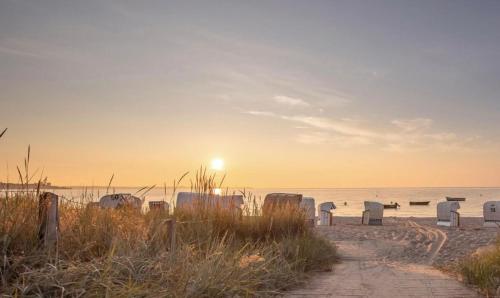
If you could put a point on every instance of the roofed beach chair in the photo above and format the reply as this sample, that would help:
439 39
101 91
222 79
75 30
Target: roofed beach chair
231 203
491 214
191 201
373 214
93 205
325 213
120 200
308 205
279 201
447 214
186 200
159 206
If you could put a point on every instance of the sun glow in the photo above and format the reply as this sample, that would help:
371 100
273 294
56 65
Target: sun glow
217 164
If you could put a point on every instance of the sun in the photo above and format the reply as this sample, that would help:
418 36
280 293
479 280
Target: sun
217 164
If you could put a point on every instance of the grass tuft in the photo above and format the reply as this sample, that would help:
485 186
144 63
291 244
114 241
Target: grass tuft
483 270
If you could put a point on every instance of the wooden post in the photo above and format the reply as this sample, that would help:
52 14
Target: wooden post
171 234
48 219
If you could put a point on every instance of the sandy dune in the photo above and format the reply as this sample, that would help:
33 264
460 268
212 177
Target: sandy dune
398 259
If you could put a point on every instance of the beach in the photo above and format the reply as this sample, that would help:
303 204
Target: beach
405 257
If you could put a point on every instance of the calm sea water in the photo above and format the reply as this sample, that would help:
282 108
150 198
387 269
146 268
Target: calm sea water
353 197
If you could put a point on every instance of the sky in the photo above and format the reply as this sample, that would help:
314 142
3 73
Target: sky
286 93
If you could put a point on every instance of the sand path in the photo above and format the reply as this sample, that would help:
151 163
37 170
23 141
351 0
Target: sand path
391 261
358 275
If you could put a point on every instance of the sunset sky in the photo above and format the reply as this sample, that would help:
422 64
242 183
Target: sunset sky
286 93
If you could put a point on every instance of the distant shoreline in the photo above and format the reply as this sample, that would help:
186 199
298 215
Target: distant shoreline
18 186
288 188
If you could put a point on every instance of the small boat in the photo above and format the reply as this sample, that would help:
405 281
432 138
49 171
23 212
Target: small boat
419 203
455 199
391 206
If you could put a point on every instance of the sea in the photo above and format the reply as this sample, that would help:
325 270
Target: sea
349 201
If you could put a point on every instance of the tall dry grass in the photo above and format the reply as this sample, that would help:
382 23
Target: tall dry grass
483 270
125 252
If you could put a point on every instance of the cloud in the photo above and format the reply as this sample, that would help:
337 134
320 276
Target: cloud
410 125
336 126
296 102
337 140
261 113
17 52
312 138
411 134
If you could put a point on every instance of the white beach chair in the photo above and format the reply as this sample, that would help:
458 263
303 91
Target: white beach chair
119 200
325 213
185 200
307 204
447 214
231 203
373 214
192 201
491 214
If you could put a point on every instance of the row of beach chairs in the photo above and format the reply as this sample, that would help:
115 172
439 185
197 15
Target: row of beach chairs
447 212
190 201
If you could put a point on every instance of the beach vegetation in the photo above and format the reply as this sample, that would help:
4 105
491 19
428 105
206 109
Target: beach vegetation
127 252
483 270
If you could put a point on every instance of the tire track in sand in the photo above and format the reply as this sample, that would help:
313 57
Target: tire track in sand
439 240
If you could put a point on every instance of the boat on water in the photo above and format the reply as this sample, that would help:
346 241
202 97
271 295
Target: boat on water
392 206
455 199
419 203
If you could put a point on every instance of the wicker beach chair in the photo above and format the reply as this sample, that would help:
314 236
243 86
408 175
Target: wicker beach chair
279 201
195 201
159 206
447 214
325 213
491 214
308 205
120 200
373 214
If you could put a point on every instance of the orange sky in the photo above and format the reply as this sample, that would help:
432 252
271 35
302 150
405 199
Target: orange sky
327 95
248 163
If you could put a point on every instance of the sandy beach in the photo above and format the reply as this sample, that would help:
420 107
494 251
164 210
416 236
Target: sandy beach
406 257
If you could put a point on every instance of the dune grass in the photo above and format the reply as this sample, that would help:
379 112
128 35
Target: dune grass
483 270
125 252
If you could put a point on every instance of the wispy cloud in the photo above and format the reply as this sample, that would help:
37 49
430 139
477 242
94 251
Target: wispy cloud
296 102
17 52
410 125
340 127
405 134
313 138
261 113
